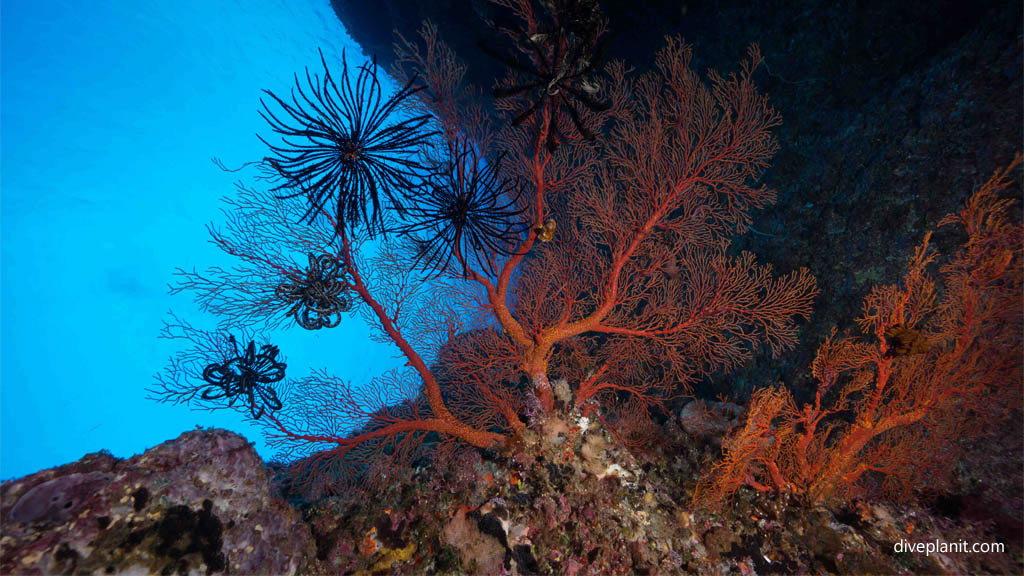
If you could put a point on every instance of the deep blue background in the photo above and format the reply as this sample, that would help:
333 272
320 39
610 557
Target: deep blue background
110 114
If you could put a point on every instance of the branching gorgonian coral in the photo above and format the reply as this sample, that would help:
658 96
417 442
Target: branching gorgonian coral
619 244
271 285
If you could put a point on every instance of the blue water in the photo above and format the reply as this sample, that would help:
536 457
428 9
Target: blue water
110 114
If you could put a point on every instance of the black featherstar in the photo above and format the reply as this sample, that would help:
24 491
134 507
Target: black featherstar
341 142
564 54
317 299
246 376
464 209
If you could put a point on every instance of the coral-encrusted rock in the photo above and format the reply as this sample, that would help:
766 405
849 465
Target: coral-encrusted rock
482 551
198 504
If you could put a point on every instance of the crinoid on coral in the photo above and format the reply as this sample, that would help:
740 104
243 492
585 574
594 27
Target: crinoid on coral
317 300
466 210
213 373
563 51
342 141
534 250
246 376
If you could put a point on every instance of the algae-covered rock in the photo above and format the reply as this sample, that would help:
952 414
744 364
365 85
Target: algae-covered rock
199 504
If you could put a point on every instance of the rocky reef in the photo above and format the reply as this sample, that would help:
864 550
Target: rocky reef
570 499
198 504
